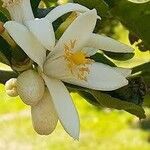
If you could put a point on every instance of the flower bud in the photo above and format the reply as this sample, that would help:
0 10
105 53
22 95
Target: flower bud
11 87
44 116
30 87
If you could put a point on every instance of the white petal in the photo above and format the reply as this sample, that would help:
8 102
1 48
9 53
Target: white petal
24 38
20 11
89 51
43 31
79 31
124 71
108 44
63 9
44 115
101 77
16 13
26 10
64 106
56 68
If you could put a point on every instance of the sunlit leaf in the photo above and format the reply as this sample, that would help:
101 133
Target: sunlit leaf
120 56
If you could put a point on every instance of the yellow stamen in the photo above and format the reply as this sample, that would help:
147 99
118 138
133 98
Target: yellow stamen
78 58
77 61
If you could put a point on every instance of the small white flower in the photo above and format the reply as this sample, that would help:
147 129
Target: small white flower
69 59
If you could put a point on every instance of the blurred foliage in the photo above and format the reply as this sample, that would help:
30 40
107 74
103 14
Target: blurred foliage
136 21
126 12
112 130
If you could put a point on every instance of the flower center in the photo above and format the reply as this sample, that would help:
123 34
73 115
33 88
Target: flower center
77 61
78 58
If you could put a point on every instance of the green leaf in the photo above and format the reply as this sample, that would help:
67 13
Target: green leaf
105 100
101 58
111 102
120 56
89 98
135 17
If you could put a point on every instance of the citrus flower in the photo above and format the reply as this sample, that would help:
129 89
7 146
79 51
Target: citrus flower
68 61
30 86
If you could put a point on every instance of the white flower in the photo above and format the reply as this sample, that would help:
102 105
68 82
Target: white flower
69 58
25 31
